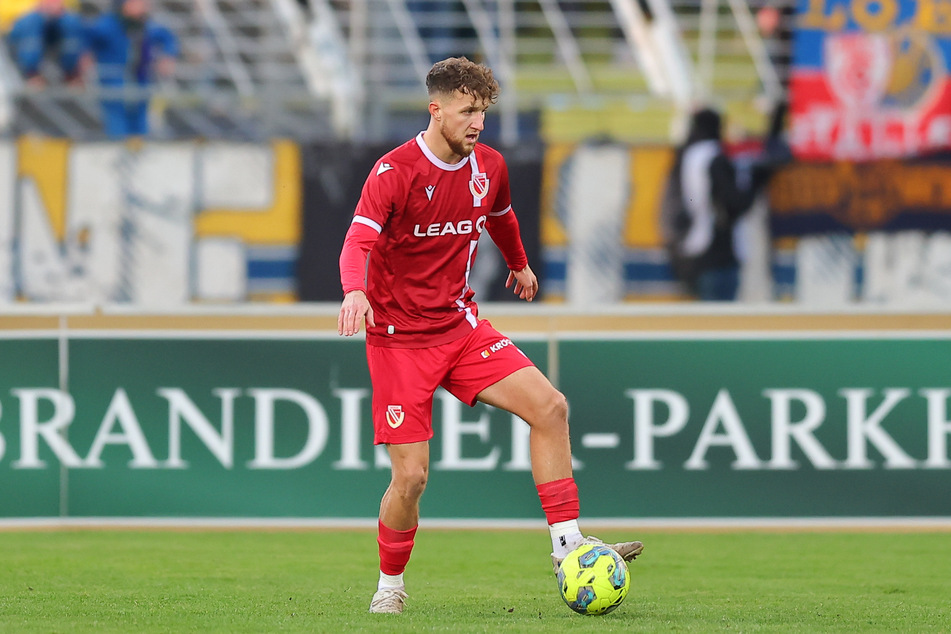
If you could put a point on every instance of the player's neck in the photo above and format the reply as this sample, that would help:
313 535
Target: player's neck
437 145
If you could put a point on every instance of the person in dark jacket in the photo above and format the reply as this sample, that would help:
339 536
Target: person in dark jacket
48 31
131 52
700 234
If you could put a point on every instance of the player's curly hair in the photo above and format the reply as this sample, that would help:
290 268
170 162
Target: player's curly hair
458 73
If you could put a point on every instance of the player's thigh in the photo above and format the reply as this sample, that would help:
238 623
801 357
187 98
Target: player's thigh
482 359
529 394
404 381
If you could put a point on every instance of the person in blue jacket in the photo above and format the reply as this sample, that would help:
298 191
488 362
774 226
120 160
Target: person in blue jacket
131 51
49 30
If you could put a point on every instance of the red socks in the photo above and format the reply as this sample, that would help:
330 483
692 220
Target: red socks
395 548
559 500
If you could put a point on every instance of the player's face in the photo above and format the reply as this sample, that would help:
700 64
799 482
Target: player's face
462 119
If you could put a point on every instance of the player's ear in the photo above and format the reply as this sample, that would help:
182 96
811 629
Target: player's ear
435 109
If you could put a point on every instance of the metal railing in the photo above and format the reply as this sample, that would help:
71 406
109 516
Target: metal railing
566 53
174 113
352 68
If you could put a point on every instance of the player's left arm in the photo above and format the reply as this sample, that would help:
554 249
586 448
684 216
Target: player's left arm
503 228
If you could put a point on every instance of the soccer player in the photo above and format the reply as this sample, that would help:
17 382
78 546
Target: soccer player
405 269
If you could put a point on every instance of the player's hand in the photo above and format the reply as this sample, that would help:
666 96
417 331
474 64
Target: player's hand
526 284
355 308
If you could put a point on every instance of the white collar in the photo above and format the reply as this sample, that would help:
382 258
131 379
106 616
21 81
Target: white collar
435 160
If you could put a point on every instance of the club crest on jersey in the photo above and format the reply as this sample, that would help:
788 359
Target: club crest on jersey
394 415
479 186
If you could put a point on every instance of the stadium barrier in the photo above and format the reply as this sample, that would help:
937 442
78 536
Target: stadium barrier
162 224
677 412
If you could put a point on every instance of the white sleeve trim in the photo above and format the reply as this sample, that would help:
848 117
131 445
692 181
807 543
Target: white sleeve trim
501 213
366 221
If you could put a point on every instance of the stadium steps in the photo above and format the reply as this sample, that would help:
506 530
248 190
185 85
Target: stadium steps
394 45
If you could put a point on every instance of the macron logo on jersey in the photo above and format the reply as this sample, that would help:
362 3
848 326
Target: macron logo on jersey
384 167
429 191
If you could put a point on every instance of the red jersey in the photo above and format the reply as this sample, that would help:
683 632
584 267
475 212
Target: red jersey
429 215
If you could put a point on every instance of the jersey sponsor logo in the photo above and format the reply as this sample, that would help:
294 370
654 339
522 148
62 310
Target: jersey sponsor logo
429 191
495 347
395 415
384 167
479 186
463 227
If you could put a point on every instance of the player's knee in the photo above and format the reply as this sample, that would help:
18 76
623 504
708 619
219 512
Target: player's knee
559 405
556 409
410 482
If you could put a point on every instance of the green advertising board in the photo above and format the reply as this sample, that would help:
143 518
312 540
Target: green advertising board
232 427
260 425
32 363
767 427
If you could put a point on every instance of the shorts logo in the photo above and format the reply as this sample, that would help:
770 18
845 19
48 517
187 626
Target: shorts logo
394 415
495 347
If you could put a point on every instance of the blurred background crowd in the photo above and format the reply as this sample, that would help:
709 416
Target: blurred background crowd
169 151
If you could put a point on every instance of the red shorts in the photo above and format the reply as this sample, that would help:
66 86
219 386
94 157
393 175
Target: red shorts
405 380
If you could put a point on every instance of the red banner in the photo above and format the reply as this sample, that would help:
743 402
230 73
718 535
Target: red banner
870 79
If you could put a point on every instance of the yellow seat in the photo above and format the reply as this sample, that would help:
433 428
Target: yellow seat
10 10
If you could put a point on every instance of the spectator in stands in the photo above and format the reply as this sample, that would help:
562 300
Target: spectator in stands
701 207
132 51
51 32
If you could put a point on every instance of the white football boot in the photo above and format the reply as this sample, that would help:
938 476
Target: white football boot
627 550
388 601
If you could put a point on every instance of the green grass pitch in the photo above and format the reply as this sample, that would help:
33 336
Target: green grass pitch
467 581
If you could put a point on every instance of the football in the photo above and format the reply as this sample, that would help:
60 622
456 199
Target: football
593 579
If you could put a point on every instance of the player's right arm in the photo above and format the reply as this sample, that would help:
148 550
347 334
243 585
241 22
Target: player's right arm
353 310
381 189
353 260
